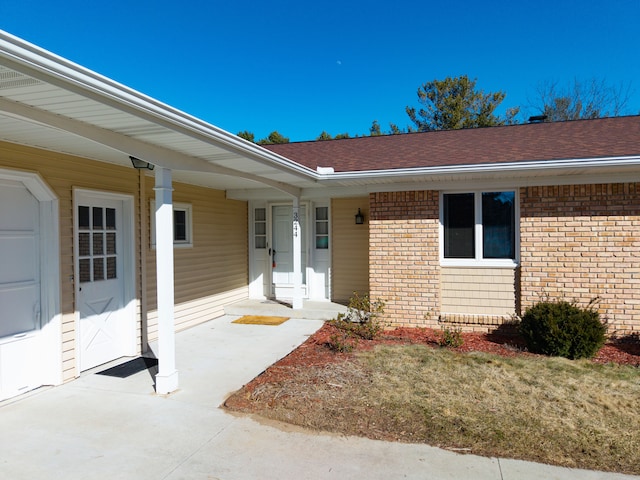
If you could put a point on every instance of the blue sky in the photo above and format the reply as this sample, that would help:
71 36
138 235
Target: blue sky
304 67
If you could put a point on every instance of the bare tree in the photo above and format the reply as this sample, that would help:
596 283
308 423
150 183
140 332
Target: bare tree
591 99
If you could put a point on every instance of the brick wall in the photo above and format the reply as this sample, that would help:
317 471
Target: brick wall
583 241
404 262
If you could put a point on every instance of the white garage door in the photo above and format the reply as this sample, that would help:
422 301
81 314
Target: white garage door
20 294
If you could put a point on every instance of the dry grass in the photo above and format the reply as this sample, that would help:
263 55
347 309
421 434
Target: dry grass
556 411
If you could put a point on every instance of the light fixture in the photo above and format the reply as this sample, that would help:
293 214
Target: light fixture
359 218
141 164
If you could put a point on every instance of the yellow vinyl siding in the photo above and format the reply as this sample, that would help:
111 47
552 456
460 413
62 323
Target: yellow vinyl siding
214 271
211 274
193 312
478 291
350 248
63 173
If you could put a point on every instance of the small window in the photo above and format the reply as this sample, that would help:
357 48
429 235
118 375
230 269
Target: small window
459 225
260 228
479 226
498 225
182 225
322 228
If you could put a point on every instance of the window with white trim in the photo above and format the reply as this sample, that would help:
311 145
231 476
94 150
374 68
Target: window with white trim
260 228
479 227
182 225
322 228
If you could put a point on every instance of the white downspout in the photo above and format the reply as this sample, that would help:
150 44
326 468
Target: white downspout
297 255
167 377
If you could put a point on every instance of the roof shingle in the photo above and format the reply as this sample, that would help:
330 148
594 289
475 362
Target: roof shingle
598 138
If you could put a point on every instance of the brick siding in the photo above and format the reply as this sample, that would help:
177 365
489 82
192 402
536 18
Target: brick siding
578 242
404 265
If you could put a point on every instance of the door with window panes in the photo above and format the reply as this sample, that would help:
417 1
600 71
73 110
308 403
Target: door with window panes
100 279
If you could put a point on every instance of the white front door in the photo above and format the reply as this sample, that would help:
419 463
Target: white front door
282 249
20 290
104 329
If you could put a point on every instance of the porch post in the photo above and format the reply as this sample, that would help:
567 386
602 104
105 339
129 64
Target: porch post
167 377
297 255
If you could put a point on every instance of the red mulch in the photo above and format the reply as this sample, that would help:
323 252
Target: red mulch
500 344
315 352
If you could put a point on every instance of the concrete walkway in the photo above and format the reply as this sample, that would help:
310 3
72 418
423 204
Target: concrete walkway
102 427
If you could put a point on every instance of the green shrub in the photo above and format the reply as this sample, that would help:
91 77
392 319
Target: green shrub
560 328
450 337
362 318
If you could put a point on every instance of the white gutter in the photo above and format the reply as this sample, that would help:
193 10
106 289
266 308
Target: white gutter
485 168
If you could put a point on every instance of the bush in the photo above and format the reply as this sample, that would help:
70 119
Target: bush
362 318
563 329
451 338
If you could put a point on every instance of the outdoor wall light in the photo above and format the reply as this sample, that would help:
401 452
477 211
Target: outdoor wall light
359 218
141 164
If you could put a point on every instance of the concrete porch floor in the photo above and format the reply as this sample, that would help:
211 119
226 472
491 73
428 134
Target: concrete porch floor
311 310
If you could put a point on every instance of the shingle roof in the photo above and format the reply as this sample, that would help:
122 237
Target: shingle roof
606 137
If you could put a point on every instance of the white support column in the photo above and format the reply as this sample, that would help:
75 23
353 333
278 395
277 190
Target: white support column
297 255
167 377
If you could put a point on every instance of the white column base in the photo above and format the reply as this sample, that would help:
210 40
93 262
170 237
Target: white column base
297 303
166 383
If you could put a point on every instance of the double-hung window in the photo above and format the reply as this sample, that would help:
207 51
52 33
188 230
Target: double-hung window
479 227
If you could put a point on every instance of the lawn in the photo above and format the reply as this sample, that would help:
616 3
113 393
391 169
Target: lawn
580 414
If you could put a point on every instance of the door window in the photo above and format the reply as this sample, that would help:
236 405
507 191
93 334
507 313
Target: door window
322 228
96 244
260 228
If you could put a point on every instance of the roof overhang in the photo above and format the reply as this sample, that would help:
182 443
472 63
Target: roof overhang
495 175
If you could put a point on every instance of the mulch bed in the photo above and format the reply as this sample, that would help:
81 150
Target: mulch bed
315 352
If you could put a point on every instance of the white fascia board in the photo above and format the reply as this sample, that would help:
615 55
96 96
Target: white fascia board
506 183
53 69
321 193
492 168
610 170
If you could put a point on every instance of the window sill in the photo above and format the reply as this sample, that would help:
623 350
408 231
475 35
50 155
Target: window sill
176 245
471 263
